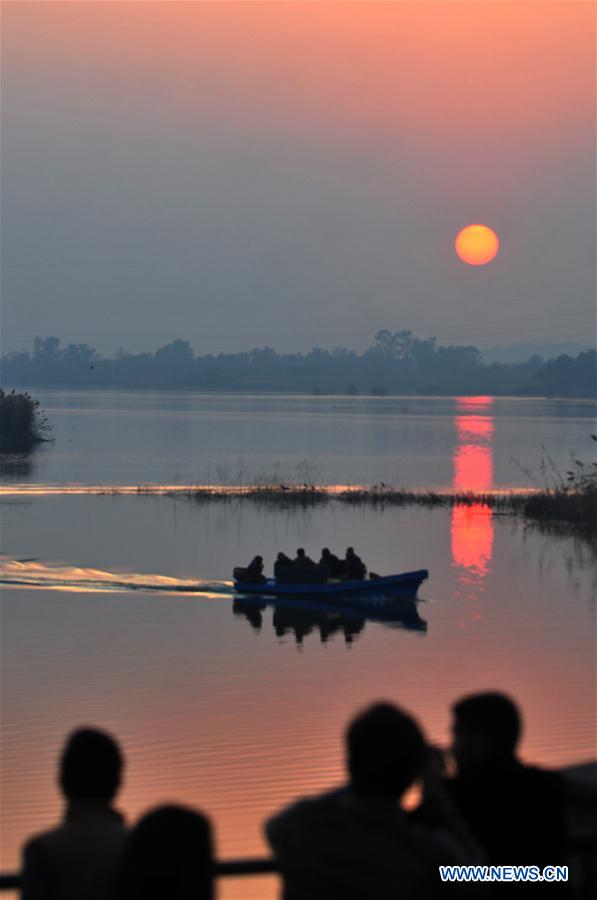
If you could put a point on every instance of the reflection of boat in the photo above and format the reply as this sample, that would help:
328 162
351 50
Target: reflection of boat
301 615
403 586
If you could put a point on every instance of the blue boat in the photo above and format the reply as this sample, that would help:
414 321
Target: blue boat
394 587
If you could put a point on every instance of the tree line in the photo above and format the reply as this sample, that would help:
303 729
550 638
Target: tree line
398 362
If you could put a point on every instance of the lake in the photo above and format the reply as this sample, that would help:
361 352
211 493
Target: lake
236 707
120 437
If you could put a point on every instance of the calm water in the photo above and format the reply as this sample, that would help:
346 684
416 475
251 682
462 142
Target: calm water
239 708
108 437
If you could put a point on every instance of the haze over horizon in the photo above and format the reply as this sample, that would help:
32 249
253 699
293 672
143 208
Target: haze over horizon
294 174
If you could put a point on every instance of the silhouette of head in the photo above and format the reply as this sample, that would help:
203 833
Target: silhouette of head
485 727
300 552
259 559
325 552
90 766
168 854
386 751
349 552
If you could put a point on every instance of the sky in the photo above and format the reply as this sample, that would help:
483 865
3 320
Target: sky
294 174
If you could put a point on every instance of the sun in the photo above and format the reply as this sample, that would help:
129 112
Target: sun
477 244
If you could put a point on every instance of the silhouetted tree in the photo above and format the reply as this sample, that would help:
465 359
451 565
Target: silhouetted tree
398 361
22 424
566 375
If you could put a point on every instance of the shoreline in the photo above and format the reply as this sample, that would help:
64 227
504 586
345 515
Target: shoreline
287 492
295 394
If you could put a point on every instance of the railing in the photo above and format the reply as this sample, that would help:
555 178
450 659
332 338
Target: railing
583 848
226 869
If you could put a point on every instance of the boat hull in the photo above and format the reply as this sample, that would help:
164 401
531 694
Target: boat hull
400 587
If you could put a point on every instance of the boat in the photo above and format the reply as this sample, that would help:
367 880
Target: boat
403 586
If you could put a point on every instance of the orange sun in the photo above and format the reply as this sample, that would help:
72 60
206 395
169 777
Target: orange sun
476 244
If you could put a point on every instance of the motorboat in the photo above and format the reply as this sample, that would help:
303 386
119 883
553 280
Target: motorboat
403 586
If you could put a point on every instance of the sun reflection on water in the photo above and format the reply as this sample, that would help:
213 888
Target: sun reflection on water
472 525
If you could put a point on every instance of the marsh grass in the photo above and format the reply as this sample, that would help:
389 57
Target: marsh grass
579 508
289 495
566 500
572 506
569 497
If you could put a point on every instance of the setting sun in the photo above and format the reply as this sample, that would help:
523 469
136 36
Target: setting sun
476 244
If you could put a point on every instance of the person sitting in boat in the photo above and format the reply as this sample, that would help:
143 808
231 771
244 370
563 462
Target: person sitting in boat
254 571
302 560
354 567
332 562
282 562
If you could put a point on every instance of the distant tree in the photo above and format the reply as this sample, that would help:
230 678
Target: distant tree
262 356
175 353
46 348
566 375
397 362
586 371
396 344
424 352
174 363
79 356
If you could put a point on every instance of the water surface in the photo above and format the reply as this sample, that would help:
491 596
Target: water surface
238 708
120 437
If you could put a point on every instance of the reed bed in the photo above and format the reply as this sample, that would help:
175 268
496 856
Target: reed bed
573 507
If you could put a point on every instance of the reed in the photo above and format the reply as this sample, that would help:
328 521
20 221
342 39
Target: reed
573 506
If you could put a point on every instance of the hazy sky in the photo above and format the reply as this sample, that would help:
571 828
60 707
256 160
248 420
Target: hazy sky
294 173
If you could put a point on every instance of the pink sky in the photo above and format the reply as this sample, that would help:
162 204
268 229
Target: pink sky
354 128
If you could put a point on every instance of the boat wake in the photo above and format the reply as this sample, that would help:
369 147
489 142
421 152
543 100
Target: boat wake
36 574
290 615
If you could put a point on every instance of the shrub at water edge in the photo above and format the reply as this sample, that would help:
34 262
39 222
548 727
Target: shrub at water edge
22 423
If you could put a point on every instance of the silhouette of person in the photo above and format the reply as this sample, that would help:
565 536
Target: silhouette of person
354 567
357 842
79 859
168 854
302 560
282 562
254 571
331 561
515 810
